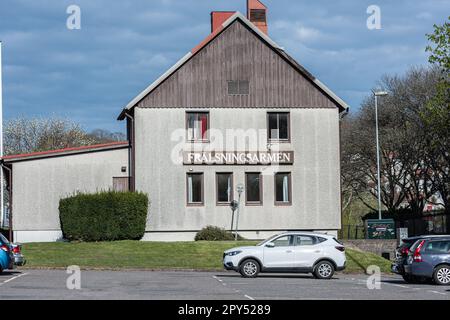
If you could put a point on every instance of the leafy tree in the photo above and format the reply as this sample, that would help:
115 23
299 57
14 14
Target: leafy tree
440 46
105 136
25 135
436 115
415 137
406 169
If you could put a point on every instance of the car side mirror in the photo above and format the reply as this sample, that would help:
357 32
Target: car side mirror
270 245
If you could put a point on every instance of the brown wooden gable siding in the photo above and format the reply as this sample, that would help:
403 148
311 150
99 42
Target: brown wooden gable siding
237 54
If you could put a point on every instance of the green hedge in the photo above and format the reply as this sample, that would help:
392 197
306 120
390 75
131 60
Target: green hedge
104 216
211 233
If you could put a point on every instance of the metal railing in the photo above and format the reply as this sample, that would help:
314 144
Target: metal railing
352 232
426 225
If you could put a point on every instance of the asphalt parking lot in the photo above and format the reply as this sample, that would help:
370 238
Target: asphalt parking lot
51 284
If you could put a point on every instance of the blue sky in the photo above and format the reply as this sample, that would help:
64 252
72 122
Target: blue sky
88 75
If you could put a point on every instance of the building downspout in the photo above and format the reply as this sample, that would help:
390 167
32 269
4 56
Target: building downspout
10 192
132 170
342 115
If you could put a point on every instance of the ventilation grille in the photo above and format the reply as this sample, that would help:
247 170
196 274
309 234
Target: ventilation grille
237 87
233 87
258 15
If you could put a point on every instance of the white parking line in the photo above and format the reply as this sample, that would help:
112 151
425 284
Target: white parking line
359 281
400 286
235 290
437 292
413 288
13 278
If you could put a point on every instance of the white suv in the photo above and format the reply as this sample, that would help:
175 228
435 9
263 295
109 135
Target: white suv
301 252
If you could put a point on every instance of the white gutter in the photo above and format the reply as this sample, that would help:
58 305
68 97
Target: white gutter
332 94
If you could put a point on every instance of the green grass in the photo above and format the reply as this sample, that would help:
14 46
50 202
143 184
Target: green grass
200 255
360 260
129 254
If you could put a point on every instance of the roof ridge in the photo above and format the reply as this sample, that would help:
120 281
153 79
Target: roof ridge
212 36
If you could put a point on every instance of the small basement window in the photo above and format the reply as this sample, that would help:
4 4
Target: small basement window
238 87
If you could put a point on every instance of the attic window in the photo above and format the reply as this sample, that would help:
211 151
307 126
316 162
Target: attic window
258 15
238 87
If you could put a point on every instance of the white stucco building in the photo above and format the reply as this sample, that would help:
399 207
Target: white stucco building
236 110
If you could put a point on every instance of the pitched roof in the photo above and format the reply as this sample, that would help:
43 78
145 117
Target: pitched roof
237 16
65 151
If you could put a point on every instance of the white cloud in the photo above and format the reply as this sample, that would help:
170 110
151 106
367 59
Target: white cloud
424 16
124 45
300 32
307 34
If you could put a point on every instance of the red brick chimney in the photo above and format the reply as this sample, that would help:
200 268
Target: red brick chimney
218 18
257 14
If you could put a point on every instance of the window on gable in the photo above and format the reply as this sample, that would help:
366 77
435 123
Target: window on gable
278 126
197 126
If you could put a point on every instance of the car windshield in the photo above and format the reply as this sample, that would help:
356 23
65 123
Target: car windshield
267 240
3 239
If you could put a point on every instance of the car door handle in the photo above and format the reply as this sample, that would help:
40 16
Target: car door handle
317 251
289 251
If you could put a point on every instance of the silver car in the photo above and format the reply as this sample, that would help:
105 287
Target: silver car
19 259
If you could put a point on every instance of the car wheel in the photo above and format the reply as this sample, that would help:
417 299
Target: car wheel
249 268
324 270
442 275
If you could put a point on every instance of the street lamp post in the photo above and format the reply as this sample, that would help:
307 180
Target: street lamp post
234 205
378 94
240 189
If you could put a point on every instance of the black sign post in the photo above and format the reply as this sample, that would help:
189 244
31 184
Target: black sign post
233 205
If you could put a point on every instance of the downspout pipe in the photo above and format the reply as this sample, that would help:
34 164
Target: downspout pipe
131 153
10 200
